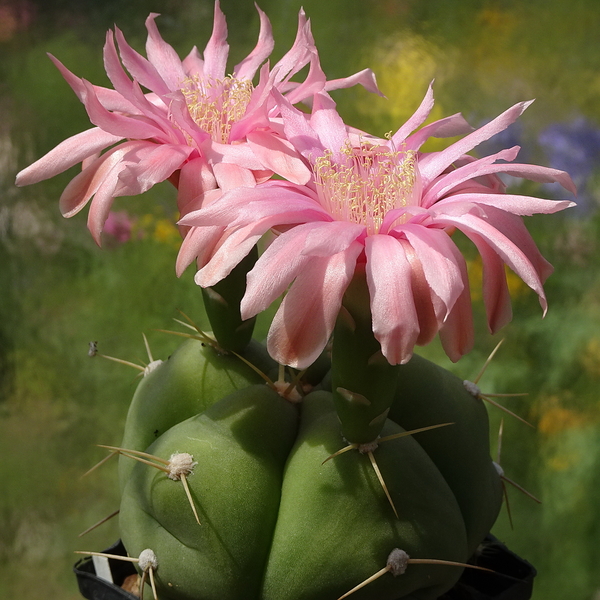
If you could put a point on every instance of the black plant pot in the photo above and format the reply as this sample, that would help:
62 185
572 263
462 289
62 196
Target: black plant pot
512 578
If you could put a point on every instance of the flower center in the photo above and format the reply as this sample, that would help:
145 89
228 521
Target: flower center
216 104
365 183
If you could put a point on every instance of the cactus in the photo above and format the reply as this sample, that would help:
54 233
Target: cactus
277 520
366 472
195 376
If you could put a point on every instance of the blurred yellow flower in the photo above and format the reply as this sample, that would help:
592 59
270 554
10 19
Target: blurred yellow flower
158 228
590 358
405 65
516 286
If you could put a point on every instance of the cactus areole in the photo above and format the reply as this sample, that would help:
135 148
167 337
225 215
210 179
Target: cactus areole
275 519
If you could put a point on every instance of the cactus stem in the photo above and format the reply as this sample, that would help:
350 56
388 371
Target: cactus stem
397 562
100 522
381 481
189 496
488 361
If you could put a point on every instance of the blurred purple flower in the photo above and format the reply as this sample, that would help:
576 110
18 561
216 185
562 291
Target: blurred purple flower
573 147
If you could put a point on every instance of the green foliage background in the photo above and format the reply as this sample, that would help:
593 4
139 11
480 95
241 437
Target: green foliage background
58 291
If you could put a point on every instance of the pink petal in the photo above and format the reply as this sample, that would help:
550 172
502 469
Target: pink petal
150 164
427 303
117 124
366 78
331 237
238 240
195 179
82 187
328 124
240 154
231 176
232 249
274 271
299 130
447 127
163 56
257 111
102 203
300 52
244 206
436 163
304 322
248 67
417 119
496 294
315 82
193 64
131 89
395 321
517 205
541 175
67 154
514 229
112 65
433 248
510 253
279 156
456 334
217 49
198 245
110 99
140 68
473 169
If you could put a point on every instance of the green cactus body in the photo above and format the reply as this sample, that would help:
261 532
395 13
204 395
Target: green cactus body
241 445
193 378
336 528
428 394
279 524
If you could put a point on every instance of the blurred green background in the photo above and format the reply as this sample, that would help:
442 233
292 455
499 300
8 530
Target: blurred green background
58 291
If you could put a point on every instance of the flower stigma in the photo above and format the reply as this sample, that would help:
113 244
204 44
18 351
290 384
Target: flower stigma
366 182
216 104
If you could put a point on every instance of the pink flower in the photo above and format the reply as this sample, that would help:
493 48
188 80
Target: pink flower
385 207
200 128
118 226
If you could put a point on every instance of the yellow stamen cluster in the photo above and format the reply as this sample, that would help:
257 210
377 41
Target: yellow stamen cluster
216 104
365 182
